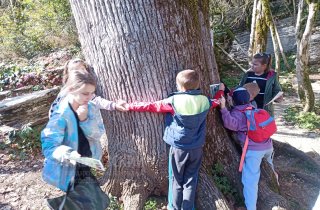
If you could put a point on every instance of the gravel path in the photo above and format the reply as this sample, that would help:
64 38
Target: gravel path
302 139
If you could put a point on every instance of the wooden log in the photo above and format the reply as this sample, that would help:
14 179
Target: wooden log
30 109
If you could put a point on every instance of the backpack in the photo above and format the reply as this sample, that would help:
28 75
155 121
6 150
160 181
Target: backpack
261 126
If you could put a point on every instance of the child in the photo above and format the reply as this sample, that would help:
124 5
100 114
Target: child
74 130
236 120
185 133
101 103
266 78
253 90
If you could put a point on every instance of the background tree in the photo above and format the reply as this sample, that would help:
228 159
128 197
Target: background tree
269 19
259 30
136 49
305 91
277 46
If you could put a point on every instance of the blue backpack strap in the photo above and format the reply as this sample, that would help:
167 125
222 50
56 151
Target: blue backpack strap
249 112
267 122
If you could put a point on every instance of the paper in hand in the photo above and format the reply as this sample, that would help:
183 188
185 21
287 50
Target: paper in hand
214 88
275 98
91 162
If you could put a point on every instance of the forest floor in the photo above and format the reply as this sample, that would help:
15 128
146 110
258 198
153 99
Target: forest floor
21 186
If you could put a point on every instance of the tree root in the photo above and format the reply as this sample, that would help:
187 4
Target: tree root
208 196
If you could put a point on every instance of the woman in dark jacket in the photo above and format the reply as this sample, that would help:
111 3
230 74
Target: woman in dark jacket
266 78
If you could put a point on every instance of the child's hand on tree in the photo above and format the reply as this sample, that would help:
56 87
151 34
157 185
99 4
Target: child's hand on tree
121 106
222 102
82 112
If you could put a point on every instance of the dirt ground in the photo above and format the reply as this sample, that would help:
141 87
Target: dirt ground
298 178
21 186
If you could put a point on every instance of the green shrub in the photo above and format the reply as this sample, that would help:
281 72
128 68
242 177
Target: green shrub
283 68
15 76
307 120
23 142
31 27
151 204
114 203
224 185
287 87
28 138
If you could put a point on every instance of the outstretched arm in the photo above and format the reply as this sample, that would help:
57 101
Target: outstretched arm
161 106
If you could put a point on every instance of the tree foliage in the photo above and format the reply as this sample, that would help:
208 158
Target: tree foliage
30 27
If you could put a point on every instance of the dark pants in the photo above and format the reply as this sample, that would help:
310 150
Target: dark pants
183 167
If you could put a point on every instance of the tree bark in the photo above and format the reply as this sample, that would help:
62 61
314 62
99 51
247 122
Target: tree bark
268 16
136 49
261 32
275 36
302 61
253 29
280 46
298 32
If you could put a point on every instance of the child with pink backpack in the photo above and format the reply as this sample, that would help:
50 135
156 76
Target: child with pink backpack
253 128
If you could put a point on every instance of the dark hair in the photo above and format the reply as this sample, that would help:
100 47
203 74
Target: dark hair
265 58
240 96
188 79
67 69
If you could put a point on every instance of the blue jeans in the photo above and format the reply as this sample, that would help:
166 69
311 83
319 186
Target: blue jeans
251 175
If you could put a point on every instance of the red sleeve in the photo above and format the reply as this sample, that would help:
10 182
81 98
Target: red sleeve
158 106
215 101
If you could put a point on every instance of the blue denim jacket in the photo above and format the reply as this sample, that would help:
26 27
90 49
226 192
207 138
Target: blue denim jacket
60 137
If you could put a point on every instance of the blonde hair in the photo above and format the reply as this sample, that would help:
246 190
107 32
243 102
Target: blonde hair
78 78
188 79
74 64
253 89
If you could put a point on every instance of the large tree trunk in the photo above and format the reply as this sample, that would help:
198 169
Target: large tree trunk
302 60
136 49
